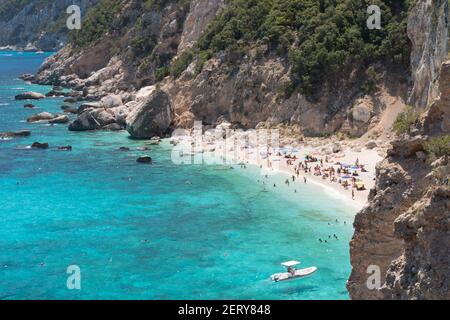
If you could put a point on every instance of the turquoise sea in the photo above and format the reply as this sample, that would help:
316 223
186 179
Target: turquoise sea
143 232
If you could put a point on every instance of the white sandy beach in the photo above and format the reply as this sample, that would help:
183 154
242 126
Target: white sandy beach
215 151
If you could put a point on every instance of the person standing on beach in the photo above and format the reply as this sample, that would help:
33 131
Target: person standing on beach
304 179
353 194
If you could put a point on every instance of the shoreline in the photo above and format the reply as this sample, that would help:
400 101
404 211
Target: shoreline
348 155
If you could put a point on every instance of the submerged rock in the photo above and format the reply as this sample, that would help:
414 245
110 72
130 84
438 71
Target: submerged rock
40 117
29 96
69 109
22 133
38 145
29 106
150 117
65 148
60 119
144 159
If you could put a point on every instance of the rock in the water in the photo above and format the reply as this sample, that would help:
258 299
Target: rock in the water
27 77
22 133
71 100
69 109
89 105
40 117
60 119
54 93
124 149
93 119
29 96
65 148
113 127
29 106
150 117
38 145
144 159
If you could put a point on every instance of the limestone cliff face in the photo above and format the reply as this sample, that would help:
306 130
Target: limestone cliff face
38 25
428 32
200 14
405 230
246 93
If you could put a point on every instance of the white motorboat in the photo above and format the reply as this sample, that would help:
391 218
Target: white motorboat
292 273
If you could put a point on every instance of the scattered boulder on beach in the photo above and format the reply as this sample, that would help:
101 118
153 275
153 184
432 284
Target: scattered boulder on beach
337 148
29 96
60 119
371 145
151 116
21 133
38 145
40 117
144 159
29 106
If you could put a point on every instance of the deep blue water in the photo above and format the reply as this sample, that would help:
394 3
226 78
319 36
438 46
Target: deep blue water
142 232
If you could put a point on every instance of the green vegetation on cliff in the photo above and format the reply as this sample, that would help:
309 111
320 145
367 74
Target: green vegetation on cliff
322 38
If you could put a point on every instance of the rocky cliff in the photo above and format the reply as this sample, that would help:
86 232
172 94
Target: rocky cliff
404 231
428 32
156 45
36 24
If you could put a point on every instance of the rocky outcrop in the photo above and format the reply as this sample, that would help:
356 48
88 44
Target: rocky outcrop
152 116
40 117
37 25
198 18
29 96
428 32
405 230
22 133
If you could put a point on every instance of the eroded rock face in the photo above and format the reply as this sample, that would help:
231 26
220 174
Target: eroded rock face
200 14
405 229
150 117
428 32
30 27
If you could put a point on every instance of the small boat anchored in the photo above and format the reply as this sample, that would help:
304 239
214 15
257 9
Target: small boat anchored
292 273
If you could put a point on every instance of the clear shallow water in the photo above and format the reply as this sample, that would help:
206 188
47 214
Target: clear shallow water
142 232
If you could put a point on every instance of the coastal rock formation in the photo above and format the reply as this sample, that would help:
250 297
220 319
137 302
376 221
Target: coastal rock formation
244 93
39 145
40 117
22 133
405 229
92 119
29 96
150 117
36 24
428 32
59 119
200 14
